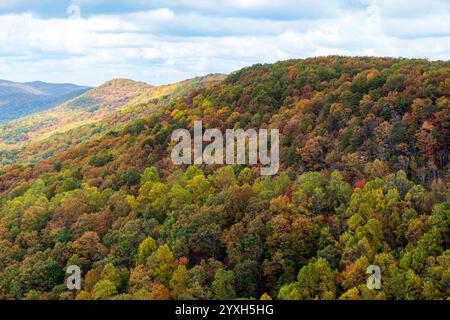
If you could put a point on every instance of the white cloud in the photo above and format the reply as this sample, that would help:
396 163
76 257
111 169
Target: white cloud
163 45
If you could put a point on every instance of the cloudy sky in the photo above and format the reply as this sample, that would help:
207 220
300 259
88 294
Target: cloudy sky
91 41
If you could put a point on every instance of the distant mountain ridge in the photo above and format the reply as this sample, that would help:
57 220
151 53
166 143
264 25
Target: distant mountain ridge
113 104
18 100
89 106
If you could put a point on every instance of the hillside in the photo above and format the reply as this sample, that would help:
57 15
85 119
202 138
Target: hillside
18 100
88 116
88 107
364 156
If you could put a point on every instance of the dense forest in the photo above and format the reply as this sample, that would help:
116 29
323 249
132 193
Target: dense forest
364 156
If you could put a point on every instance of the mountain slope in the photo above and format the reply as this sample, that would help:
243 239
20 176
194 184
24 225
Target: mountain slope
18 100
88 107
111 105
363 181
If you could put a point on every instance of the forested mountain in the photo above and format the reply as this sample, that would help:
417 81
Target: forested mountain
364 156
18 100
110 106
91 106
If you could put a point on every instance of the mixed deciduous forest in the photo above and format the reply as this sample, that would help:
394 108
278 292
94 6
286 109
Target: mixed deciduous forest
364 156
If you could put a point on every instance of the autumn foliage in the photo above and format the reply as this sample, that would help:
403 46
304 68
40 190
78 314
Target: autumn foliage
363 180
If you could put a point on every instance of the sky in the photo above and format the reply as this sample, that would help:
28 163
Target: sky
88 42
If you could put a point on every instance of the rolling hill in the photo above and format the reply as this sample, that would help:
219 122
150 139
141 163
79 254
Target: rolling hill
90 115
18 100
363 181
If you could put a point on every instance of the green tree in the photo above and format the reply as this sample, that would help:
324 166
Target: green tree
104 290
150 175
160 264
145 250
224 285
316 281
